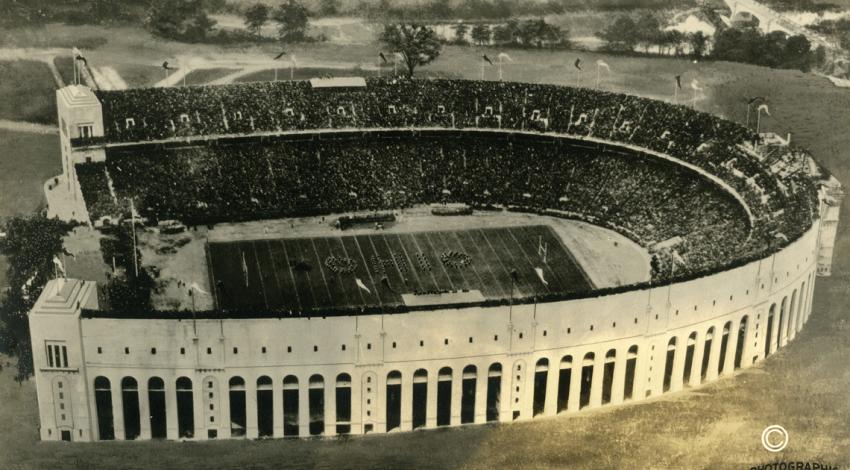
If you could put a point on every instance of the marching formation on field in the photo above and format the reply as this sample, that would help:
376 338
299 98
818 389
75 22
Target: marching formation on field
646 198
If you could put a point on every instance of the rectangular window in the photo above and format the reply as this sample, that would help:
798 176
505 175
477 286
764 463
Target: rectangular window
50 355
86 130
57 354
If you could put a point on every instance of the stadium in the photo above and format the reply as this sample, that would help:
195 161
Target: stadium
354 256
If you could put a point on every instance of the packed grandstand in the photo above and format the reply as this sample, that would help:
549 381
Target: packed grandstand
690 187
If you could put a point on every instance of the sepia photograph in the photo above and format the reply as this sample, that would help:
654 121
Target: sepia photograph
392 234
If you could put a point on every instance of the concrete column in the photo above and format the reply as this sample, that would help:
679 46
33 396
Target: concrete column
657 362
732 346
676 380
171 407
330 407
144 411
575 385
117 410
526 399
251 427
277 406
619 384
457 395
505 405
198 412
431 406
407 401
481 394
696 366
551 406
714 354
641 373
356 403
303 406
223 404
596 383
792 320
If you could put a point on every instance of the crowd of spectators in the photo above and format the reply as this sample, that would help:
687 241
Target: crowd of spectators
217 179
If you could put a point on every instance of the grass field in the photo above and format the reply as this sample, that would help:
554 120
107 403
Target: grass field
803 388
27 92
204 76
303 274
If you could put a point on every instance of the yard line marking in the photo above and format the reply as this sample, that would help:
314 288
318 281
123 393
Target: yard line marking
431 272
359 291
438 260
322 271
514 285
578 266
440 236
483 256
410 266
530 263
260 274
274 271
214 287
276 265
377 253
472 264
336 277
368 271
289 268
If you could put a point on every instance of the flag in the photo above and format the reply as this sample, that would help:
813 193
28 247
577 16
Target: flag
679 81
195 287
695 85
764 108
361 285
678 258
539 272
383 57
487 59
283 53
601 63
165 65
503 56
59 266
578 64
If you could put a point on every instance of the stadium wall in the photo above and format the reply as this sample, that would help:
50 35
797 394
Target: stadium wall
195 378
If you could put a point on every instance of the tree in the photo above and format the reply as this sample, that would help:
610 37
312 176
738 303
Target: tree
699 43
460 33
328 7
419 45
256 16
648 31
292 19
481 34
506 33
184 20
620 35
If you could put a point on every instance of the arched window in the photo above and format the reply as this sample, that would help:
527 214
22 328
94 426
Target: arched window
631 368
420 397
608 375
541 374
156 407
316 398
343 403
290 406
237 407
494 391
103 404
706 353
265 406
185 408
801 307
564 378
130 405
467 398
393 400
741 342
689 358
586 379
668 364
792 317
444 396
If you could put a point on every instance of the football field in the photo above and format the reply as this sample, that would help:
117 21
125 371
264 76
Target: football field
320 273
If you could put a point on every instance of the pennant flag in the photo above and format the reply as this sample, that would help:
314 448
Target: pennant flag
601 63
695 85
764 108
283 53
383 57
59 266
503 56
487 59
539 272
195 287
578 64
165 65
361 285
679 81
678 258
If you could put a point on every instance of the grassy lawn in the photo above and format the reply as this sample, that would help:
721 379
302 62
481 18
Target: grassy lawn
803 387
27 92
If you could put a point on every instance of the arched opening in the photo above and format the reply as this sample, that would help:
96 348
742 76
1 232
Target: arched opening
768 332
724 346
801 307
706 353
780 328
467 396
393 400
631 369
343 403
494 391
792 316
185 408
586 379
689 358
316 398
739 347
265 407
541 373
668 364
420 397
103 403
444 396
608 375
130 405
564 377
290 406
156 406
237 407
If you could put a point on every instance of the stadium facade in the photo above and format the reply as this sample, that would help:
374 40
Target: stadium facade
104 374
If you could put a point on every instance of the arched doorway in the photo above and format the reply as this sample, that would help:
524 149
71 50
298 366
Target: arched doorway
103 405
393 400
668 364
343 403
265 407
768 332
467 396
444 397
706 354
608 375
290 406
631 370
564 378
494 391
689 358
237 407
156 406
541 374
130 405
185 408
420 398
742 338
586 379
316 398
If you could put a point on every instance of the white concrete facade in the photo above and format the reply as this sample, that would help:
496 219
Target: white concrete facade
613 349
